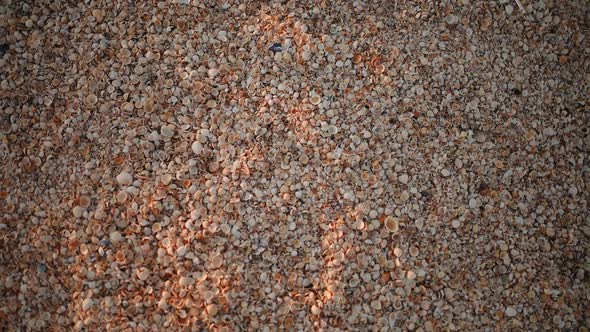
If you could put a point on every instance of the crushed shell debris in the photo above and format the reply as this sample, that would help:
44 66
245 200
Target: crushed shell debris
294 165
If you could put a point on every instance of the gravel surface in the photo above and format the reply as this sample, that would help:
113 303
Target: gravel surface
295 165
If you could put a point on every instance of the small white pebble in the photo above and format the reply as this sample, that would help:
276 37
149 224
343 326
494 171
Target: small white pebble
446 173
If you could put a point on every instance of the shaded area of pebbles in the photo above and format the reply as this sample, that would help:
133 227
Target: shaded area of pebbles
299 165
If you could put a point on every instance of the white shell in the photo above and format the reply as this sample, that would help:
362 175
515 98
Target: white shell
124 178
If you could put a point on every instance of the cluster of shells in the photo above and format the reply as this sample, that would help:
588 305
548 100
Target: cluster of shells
296 165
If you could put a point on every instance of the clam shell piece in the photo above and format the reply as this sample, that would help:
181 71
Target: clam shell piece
391 224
